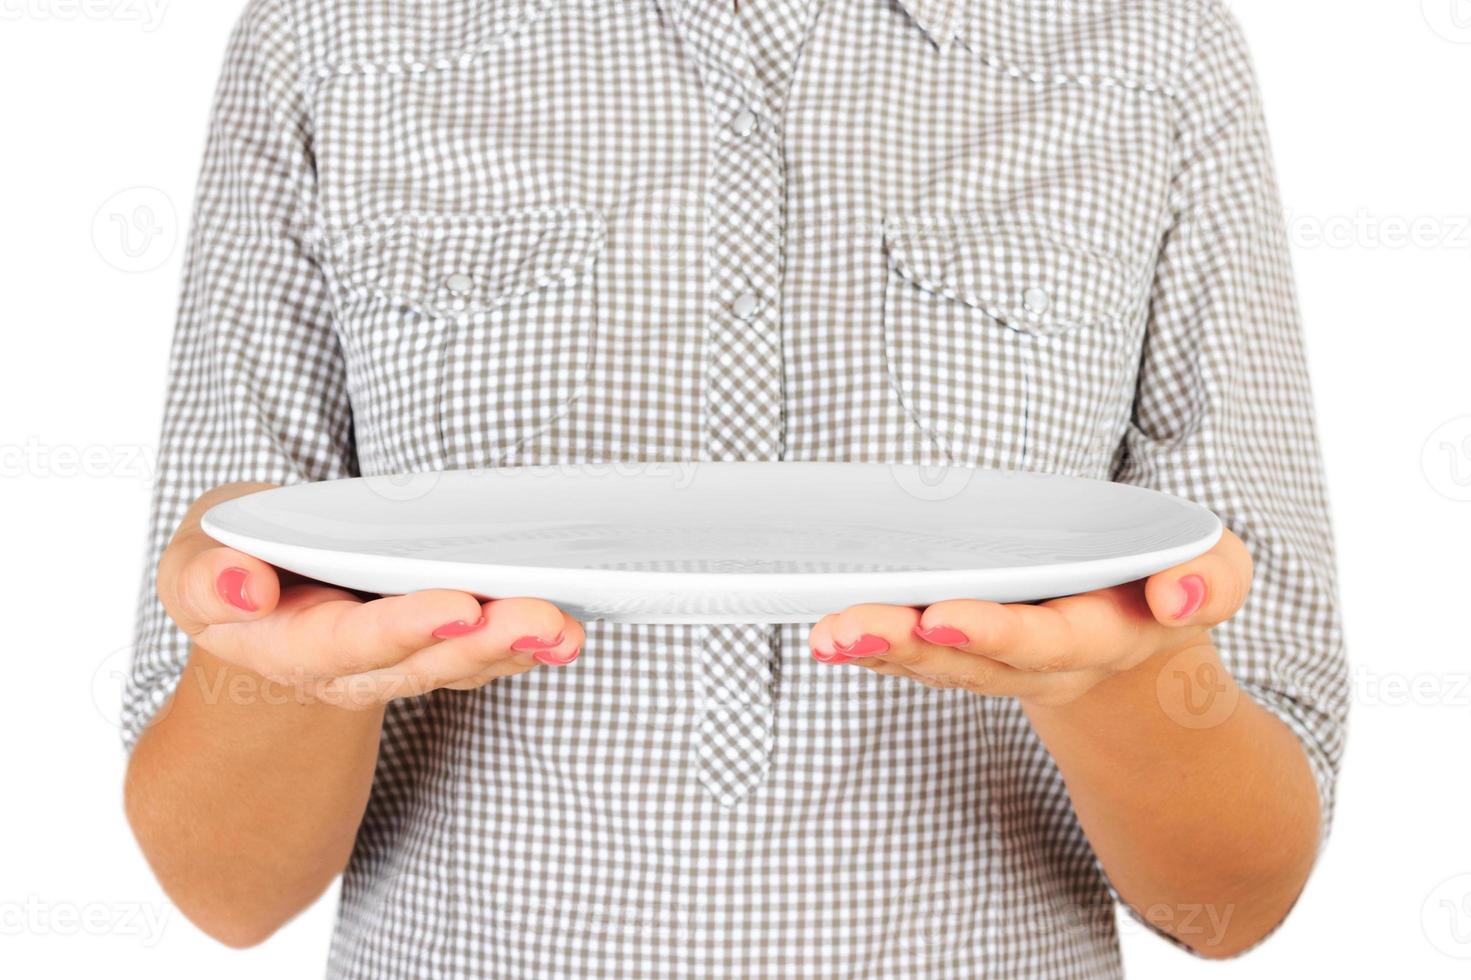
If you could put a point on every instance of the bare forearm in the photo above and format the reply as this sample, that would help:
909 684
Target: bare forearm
246 797
1207 823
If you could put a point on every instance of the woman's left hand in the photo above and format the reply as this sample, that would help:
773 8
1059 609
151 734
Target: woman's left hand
1051 653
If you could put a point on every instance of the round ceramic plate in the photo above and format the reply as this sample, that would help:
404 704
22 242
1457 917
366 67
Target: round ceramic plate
719 542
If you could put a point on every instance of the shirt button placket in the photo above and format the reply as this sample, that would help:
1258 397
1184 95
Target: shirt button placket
744 381
743 388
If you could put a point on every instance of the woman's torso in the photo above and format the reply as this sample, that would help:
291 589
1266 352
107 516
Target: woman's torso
564 231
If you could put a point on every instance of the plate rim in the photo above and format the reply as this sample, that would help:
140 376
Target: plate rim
701 583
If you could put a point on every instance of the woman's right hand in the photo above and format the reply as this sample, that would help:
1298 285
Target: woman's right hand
337 647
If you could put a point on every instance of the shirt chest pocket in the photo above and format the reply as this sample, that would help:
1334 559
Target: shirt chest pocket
467 336
1008 341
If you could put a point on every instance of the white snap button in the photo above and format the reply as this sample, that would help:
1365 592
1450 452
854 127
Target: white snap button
745 306
744 123
1036 300
459 283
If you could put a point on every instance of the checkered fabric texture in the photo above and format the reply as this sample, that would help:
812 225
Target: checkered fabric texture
1030 234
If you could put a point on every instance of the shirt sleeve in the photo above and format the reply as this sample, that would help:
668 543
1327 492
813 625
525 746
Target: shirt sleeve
256 380
1223 412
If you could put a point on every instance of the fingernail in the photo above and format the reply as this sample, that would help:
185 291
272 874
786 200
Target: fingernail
528 644
829 658
551 660
231 586
458 628
1192 593
942 636
866 645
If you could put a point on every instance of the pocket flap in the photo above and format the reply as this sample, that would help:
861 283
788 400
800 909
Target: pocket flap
1140 44
1024 275
445 264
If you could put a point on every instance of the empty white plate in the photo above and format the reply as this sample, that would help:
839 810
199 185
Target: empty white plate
720 542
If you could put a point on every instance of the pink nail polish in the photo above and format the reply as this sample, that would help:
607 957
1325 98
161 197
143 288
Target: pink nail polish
552 660
458 628
865 646
1192 591
231 586
530 644
942 636
830 658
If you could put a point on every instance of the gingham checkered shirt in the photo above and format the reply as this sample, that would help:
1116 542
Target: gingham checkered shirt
1036 234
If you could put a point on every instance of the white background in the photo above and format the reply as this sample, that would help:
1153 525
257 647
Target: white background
1368 102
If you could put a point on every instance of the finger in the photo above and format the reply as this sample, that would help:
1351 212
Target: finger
1039 638
979 674
214 584
511 638
878 666
884 639
512 634
1081 632
528 630
946 667
504 667
861 631
1203 591
319 631
360 636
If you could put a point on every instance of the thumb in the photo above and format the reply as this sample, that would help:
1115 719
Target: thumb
219 585
201 582
1204 591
